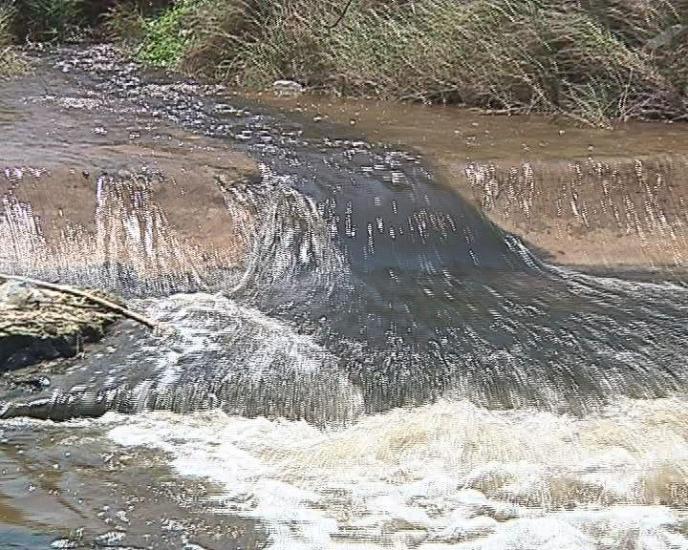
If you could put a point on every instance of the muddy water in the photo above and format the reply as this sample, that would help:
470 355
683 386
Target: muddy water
610 199
358 356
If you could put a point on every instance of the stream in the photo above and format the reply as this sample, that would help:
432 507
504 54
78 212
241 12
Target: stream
357 357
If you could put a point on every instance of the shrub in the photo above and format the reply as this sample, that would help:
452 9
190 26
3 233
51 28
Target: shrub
125 22
49 19
7 14
167 37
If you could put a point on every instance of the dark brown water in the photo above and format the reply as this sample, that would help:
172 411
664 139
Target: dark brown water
612 199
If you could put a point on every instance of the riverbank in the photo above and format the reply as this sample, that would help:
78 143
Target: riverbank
591 61
40 324
594 62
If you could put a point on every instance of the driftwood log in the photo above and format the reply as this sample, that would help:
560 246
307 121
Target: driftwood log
102 302
41 321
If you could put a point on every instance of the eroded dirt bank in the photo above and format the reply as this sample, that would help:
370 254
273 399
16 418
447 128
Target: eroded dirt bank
589 198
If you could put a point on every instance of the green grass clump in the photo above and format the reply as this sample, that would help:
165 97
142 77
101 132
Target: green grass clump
167 37
594 60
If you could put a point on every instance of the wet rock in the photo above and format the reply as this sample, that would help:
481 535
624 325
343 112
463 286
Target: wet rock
287 87
32 383
38 325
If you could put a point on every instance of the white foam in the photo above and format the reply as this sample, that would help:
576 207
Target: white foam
448 475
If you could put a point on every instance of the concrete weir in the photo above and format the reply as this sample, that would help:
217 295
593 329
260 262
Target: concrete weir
375 341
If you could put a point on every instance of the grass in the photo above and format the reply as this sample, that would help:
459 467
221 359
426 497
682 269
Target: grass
11 63
168 36
70 20
125 21
594 60
46 20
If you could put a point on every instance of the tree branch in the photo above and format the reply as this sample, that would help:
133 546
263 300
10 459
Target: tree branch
103 302
341 15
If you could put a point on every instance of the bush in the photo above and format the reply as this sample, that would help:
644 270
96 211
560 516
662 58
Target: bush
6 21
125 22
49 19
45 20
167 37
129 20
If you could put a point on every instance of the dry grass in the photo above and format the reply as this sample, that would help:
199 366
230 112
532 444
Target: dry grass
594 60
11 63
125 21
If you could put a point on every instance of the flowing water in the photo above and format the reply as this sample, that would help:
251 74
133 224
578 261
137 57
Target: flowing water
357 356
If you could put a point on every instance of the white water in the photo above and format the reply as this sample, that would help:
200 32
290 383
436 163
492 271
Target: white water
448 475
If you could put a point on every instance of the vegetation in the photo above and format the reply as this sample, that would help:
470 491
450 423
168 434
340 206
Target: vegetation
125 22
595 60
49 20
6 17
10 62
168 37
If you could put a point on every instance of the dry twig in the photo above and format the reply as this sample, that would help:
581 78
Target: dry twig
103 302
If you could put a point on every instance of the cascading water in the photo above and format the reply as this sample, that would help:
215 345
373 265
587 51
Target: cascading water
365 286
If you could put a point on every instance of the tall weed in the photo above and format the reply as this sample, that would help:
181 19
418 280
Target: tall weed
594 60
11 63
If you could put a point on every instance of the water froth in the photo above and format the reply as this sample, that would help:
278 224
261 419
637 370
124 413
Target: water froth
447 475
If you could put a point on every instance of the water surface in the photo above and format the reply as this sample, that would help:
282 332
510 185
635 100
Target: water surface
359 357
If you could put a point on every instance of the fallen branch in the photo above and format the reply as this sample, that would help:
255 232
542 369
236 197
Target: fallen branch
341 15
103 302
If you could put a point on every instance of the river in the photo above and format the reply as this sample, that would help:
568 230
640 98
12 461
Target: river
362 354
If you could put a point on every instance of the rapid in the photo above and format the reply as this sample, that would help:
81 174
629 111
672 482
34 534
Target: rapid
359 357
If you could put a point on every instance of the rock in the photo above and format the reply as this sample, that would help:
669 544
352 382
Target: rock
287 87
38 325
31 383
17 295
